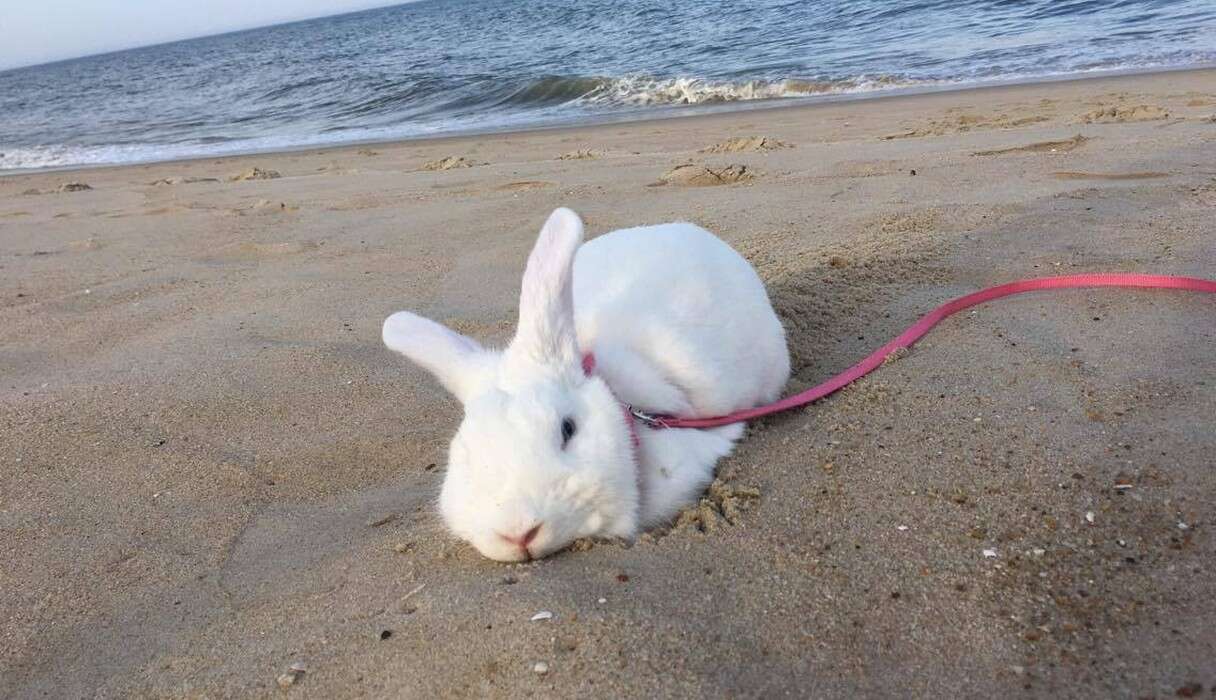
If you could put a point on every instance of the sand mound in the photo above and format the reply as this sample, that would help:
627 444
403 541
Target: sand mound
580 154
449 163
1039 147
741 144
255 174
723 503
1136 113
695 175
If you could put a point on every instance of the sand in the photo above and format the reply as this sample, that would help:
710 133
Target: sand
215 481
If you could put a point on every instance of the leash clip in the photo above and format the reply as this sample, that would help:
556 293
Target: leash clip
649 419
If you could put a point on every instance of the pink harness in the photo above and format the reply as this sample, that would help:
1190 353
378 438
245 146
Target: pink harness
906 339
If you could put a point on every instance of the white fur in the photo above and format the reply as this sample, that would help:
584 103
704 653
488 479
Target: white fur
679 324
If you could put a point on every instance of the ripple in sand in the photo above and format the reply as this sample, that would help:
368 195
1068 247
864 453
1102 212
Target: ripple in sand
1074 175
524 185
184 180
1039 147
963 123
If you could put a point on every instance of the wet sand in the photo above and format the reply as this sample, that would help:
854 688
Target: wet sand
211 469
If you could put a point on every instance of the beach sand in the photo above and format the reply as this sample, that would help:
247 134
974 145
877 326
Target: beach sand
211 469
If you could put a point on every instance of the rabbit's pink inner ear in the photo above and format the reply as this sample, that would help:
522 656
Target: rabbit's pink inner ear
588 364
546 330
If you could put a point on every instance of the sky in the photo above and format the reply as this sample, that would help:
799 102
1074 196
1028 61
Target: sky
40 31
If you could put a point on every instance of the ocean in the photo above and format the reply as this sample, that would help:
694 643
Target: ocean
452 66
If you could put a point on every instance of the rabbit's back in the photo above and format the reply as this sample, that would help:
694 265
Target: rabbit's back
691 306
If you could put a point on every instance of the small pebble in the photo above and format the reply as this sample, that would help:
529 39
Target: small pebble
601 601
542 615
1089 517
1183 526
990 553
287 680
540 667
902 528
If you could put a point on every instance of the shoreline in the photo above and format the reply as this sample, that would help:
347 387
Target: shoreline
662 114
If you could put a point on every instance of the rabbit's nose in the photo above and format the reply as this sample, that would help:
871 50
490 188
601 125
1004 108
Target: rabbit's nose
524 539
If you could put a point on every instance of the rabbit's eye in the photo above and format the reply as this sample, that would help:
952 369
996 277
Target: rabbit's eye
568 429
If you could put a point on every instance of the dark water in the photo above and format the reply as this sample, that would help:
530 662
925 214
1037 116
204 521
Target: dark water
454 65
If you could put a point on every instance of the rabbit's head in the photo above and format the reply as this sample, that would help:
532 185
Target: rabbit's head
543 455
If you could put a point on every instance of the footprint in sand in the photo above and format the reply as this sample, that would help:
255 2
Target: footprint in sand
1119 115
580 154
255 174
449 163
1074 175
1039 147
696 175
65 187
741 144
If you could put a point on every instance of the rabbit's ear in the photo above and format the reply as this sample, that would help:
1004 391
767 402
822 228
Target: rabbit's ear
436 348
546 302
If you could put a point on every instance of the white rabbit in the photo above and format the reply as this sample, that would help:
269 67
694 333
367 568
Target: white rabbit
677 322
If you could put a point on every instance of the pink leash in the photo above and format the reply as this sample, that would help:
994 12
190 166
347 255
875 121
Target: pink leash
918 331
